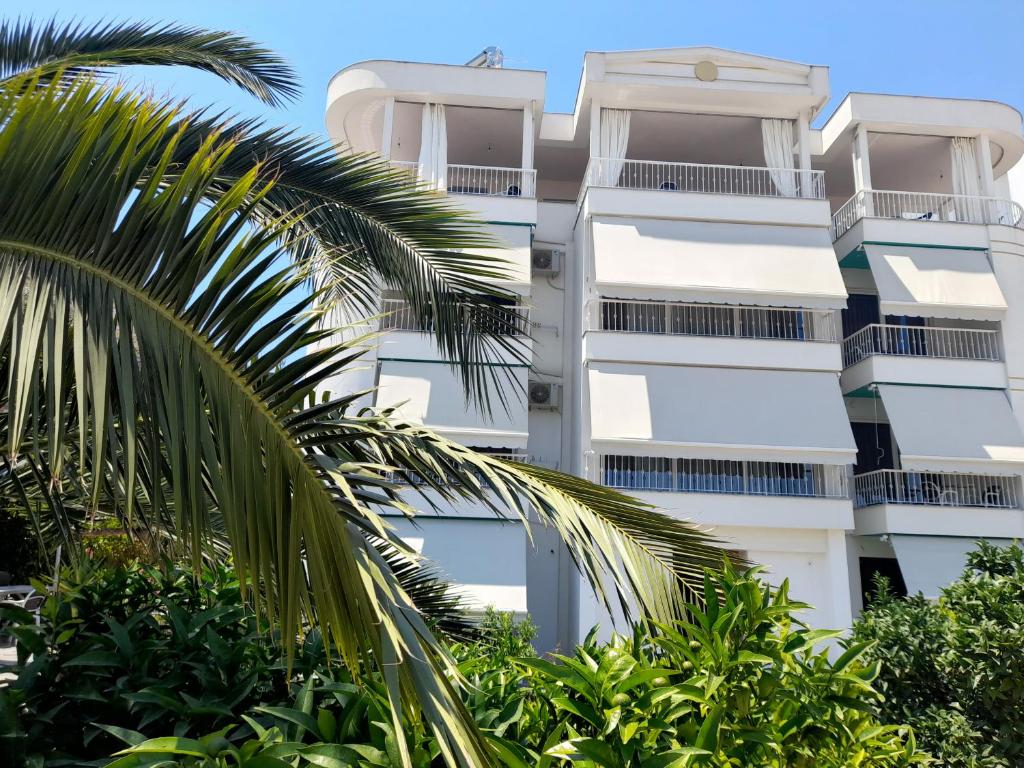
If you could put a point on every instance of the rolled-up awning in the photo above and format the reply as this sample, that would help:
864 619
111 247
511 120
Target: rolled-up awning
699 261
719 413
946 429
935 282
430 393
929 563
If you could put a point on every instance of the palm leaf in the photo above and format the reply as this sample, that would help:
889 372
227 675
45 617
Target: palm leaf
190 333
650 564
50 49
364 228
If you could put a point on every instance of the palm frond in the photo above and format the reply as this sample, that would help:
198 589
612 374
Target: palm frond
365 227
192 333
650 564
50 49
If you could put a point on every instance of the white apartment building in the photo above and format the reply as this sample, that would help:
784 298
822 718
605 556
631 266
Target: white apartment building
810 340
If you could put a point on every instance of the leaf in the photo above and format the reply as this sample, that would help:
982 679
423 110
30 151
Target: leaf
707 737
171 745
128 736
294 716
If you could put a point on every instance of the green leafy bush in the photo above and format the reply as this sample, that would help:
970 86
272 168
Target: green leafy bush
954 669
742 683
144 650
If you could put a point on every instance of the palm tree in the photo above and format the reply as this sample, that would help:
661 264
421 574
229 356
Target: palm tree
163 340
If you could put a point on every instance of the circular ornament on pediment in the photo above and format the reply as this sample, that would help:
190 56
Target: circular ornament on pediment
706 71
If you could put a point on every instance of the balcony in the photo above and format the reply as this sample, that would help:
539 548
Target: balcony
948 343
750 478
482 180
709 179
937 504
757 494
412 343
511 320
712 334
924 207
955 357
941 489
734 193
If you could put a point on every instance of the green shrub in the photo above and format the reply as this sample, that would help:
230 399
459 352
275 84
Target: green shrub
142 650
740 684
954 669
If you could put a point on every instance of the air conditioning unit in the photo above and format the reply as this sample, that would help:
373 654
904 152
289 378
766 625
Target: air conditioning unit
547 262
545 396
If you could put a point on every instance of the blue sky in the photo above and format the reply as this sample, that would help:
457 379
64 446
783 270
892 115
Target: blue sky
938 48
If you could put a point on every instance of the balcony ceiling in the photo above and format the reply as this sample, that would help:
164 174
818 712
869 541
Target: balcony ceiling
690 138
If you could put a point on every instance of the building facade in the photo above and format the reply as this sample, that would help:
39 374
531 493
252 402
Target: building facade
810 340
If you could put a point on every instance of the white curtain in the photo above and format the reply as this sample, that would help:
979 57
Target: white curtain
964 156
433 161
614 140
777 136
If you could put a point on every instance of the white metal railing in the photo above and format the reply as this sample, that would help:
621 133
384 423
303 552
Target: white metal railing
482 179
925 206
690 319
913 341
713 179
755 478
488 180
500 320
896 486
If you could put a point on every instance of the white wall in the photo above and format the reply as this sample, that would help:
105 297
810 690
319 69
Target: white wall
485 558
431 394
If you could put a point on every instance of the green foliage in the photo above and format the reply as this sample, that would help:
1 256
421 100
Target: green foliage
741 683
141 650
501 637
954 669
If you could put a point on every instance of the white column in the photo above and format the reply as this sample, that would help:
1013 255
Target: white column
527 165
839 579
389 128
862 168
986 181
595 133
804 145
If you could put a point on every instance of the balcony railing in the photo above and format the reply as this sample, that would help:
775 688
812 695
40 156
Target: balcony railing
909 341
742 322
940 489
486 180
925 206
753 478
713 179
397 315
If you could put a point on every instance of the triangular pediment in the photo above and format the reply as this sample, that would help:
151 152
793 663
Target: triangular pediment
693 55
